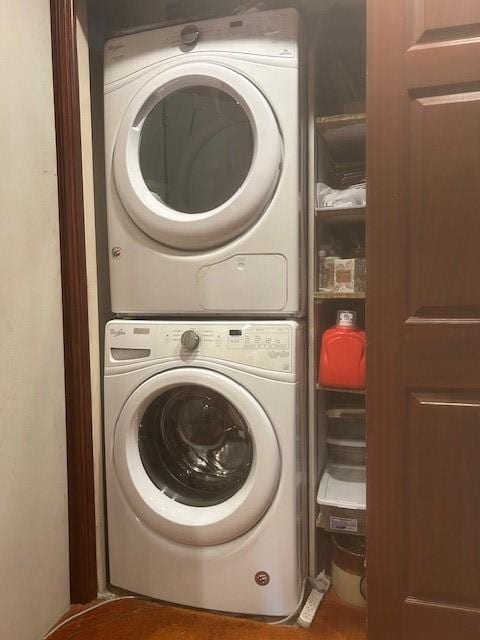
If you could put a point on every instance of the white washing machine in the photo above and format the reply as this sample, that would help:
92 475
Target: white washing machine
204 188
205 462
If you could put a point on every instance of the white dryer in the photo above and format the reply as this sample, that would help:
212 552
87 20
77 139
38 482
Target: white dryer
204 187
205 462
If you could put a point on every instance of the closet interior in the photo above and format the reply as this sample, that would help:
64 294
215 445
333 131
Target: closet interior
337 289
334 58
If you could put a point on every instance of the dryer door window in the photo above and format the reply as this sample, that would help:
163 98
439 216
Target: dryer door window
195 446
198 156
196 149
196 456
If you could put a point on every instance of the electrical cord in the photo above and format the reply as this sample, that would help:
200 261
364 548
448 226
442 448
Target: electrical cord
316 583
294 613
287 619
81 613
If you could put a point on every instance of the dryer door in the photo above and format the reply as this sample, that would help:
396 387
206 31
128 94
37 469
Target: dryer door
196 456
198 156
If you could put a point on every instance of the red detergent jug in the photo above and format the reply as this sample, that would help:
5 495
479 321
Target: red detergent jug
342 356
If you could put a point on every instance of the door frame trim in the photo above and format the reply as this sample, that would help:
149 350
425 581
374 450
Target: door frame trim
78 400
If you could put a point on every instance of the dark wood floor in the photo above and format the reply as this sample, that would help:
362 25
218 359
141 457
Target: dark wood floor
137 619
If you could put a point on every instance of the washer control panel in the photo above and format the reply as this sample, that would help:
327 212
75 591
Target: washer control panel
265 345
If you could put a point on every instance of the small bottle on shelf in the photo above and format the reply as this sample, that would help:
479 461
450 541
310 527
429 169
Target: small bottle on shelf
325 267
321 257
342 355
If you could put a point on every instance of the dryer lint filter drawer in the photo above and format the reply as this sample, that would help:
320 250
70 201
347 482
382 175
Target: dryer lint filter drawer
245 282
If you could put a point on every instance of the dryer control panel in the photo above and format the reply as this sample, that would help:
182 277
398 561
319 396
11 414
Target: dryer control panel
263 345
273 34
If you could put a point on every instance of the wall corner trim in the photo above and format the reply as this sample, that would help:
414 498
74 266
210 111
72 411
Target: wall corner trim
78 401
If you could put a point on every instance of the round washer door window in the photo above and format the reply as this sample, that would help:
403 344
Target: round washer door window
196 456
198 156
195 445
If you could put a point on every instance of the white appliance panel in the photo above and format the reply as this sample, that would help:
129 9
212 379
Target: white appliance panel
196 269
228 575
267 347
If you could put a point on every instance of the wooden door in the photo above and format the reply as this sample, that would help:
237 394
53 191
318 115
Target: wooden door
423 319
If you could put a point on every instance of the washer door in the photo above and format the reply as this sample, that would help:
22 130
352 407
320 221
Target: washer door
196 456
197 157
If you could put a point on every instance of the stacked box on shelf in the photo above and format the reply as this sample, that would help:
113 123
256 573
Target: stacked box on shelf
342 491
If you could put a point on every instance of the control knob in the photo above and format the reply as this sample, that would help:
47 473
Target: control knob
190 35
190 340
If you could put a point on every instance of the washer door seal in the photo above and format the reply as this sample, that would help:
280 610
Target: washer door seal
196 525
207 229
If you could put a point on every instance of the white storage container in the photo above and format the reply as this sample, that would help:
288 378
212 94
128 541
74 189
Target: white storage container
342 499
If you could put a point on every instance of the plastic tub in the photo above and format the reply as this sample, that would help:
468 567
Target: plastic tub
342 499
350 452
348 568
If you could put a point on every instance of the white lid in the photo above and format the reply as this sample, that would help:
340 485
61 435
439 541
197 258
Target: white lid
346 319
347 442
343 486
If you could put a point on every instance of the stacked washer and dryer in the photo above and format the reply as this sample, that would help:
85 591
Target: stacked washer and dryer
204 367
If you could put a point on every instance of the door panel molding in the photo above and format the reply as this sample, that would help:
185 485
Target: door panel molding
430 19
442 434
446 62
442 204
81 498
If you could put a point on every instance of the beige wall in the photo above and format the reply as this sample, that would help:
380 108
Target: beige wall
33 505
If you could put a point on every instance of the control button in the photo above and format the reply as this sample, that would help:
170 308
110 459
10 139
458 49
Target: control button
190 340
190 35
